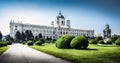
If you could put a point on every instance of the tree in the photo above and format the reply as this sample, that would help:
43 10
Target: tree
9 38
29 35
40 35
23 36
113 38
36 38
0 36
18 36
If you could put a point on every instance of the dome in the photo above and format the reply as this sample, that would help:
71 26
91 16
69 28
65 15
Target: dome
107 26
60 16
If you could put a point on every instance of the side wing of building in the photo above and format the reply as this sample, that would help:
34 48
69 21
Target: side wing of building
48 31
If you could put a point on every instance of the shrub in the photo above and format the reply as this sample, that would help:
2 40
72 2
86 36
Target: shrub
23 42
101 42
109 42
38 42
64 41
113 39
117 42
29 43
9 43
3 44
41 39
79 42
53 40
98 38
93 41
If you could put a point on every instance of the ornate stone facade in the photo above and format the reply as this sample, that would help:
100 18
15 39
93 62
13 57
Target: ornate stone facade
59 27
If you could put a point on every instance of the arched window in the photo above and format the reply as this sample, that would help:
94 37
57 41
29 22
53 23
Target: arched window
62 23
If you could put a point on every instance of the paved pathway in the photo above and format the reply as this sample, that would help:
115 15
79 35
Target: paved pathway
18 53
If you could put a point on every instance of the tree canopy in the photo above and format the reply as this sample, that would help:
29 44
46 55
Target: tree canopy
29 35
18 36
1 36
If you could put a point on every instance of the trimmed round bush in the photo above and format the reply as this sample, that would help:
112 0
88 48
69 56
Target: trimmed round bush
79 42
98 38
5 43
38 42
117 42
109 42
30 43
93 41
9 43
2 44
53 40
113 38
101 42
23 42
41 39
64 41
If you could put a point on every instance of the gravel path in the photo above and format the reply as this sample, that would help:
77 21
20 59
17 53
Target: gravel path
18 53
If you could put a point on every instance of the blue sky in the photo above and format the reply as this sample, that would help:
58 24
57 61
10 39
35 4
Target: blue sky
84 14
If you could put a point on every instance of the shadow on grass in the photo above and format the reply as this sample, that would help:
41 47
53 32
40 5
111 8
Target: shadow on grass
38 45
90 49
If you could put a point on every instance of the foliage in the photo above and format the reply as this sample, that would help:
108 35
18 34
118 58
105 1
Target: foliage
24 42
29 35
40 35
101 42
23 36
0 36
117 42
47 41
98 38
9 43
79 42
18 36
64 41
92 41
30 43
94 53
113 39
41 39
39 42
109 42
53 40
9 38
3 44
36 38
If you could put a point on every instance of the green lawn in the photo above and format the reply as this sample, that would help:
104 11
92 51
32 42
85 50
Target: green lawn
94 54
2 49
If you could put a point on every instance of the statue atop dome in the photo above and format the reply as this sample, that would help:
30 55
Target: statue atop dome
60 16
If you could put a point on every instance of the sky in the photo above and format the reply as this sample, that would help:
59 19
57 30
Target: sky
83 14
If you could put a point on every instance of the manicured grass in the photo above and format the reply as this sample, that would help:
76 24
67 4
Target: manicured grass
3 49
94 53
